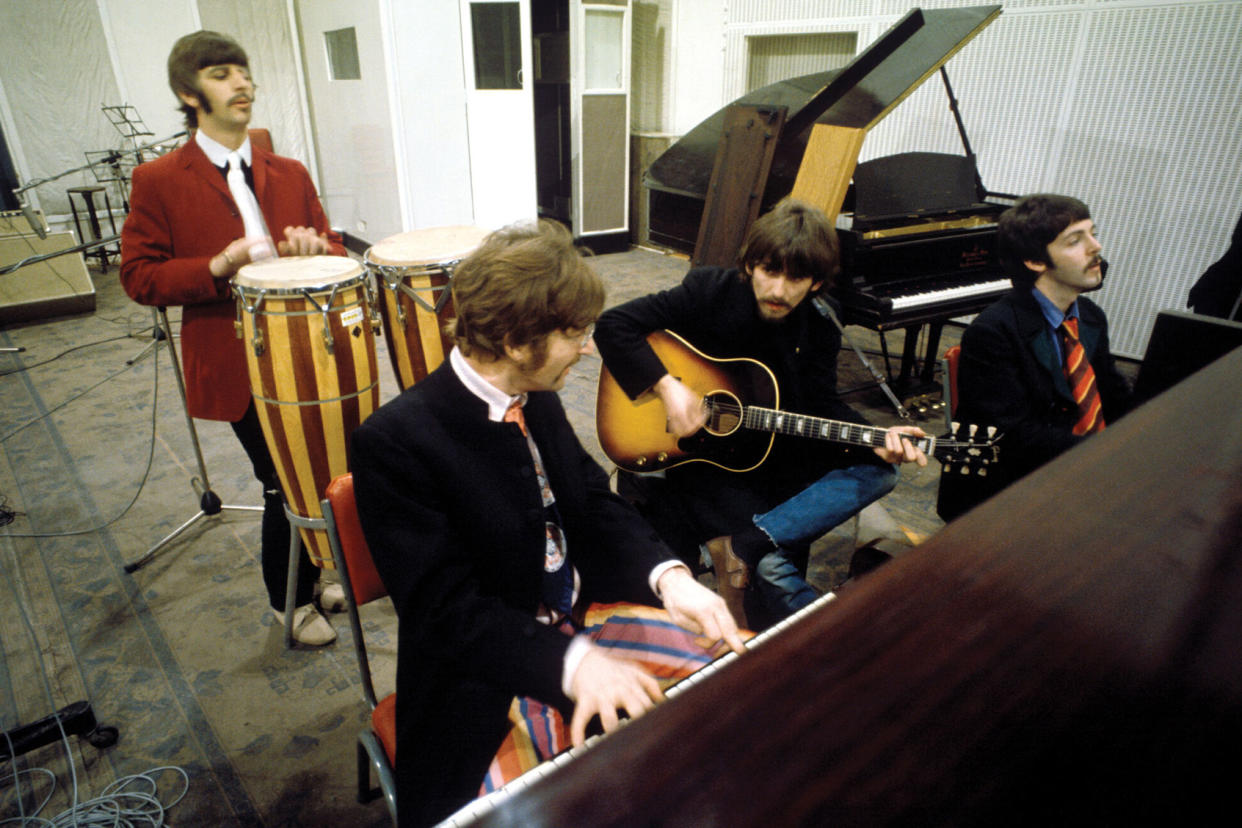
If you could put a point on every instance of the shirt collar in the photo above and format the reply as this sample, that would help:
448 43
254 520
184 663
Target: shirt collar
498 401
218 153
1051 312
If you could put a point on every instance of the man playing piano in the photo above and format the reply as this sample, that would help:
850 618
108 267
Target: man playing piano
1036 364
762 521
494 530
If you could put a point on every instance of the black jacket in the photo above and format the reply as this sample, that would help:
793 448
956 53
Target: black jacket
452 513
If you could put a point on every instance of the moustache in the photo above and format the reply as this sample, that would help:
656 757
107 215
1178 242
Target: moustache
241 98
1103 263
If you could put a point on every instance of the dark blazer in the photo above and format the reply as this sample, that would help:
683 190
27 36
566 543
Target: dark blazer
715 310
452 513
1009 377
182 214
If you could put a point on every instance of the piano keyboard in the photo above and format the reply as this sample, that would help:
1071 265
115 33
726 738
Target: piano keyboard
481 807
931 297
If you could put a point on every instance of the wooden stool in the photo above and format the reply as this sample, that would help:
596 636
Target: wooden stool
88 198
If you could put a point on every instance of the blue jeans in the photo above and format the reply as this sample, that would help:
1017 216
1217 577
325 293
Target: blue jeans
814 511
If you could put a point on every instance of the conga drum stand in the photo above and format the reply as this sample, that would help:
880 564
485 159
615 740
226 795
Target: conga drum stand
209 501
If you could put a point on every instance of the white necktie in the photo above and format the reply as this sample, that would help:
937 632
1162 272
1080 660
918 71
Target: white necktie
252 217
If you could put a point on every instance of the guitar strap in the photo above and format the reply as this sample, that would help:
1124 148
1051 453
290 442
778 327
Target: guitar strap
825 308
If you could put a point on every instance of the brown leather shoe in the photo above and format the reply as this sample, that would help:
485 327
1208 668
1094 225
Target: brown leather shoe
732 576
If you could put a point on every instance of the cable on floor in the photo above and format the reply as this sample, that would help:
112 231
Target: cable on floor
155 400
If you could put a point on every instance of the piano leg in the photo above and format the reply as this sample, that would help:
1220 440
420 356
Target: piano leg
915 378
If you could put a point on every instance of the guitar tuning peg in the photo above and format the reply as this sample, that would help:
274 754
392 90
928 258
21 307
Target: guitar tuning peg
991 432
956 426
973 429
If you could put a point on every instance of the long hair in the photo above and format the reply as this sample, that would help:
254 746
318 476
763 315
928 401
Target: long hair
194 52
795 239
1024 231
523 282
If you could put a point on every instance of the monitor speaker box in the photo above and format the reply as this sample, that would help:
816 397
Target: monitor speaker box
53 287
1182 343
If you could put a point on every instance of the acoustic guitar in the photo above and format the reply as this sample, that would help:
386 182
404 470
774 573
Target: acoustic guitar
743 418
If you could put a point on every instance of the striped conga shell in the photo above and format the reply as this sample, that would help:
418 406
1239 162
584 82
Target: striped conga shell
310 350
413 271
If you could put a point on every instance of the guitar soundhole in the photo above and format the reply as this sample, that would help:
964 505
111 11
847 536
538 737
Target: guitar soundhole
724 413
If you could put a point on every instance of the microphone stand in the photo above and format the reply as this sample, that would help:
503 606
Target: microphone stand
209 501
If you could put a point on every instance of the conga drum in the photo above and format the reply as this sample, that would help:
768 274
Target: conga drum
412 273
310 351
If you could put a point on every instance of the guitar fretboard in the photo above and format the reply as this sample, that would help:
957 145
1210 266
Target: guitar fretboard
838 431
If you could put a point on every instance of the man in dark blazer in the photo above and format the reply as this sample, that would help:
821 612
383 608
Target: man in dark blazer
184 239
492 527
757 526
1012 372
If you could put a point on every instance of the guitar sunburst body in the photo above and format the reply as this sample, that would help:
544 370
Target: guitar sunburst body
634 434
742 402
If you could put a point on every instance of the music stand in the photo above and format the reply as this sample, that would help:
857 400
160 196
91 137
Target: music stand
209 501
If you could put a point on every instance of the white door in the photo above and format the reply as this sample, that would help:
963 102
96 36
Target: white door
351 122
499 110
600 135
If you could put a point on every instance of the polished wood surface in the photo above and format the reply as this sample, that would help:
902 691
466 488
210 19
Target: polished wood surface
1067 653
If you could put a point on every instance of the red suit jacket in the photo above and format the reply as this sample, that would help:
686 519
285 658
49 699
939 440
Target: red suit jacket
181 215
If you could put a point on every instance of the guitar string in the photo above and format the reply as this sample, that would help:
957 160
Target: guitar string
742 412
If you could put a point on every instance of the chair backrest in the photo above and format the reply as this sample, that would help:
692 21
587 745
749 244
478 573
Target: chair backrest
949 378
359 578
260 137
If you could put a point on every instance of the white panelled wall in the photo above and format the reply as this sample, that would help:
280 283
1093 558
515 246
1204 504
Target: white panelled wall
1135 106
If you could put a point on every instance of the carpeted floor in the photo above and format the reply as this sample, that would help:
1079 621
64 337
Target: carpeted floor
183 655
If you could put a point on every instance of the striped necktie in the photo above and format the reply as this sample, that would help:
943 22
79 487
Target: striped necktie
1081 379
558 576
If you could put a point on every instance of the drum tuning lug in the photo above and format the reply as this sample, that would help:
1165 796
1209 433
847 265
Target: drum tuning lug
328 342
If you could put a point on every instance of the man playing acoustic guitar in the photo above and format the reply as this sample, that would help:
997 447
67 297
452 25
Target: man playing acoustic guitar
761 520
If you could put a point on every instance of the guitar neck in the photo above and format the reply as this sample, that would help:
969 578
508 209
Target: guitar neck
836 431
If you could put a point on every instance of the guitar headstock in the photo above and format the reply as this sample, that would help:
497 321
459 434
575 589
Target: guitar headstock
968 449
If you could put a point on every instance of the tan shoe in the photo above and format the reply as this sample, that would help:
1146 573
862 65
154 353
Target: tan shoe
332 597
309 626
732 576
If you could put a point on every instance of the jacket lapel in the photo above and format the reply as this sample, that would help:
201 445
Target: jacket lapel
197 162
1035 333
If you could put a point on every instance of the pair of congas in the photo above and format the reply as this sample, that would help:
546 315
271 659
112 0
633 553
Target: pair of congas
310 324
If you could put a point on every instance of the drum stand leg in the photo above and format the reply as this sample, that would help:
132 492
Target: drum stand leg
209 502
296 522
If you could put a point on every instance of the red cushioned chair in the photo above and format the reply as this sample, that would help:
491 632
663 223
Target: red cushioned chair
377 744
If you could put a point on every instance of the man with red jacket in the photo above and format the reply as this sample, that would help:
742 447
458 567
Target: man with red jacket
183 241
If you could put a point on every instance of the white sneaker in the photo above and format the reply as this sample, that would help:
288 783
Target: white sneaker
332 597
309 627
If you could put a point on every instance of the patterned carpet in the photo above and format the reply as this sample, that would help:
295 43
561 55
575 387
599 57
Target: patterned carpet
183 655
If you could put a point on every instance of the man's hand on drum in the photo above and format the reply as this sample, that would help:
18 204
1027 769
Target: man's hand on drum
229 260
303 241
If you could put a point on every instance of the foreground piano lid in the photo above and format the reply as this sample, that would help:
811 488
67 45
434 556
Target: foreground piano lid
685 168
1066 653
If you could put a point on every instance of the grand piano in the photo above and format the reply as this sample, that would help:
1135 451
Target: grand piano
917 229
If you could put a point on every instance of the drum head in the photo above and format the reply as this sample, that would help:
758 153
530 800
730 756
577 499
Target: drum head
430 245
298 273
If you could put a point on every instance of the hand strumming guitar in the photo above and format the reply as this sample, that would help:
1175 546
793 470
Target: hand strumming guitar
686 413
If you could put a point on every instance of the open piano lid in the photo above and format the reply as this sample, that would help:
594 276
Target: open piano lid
685 168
